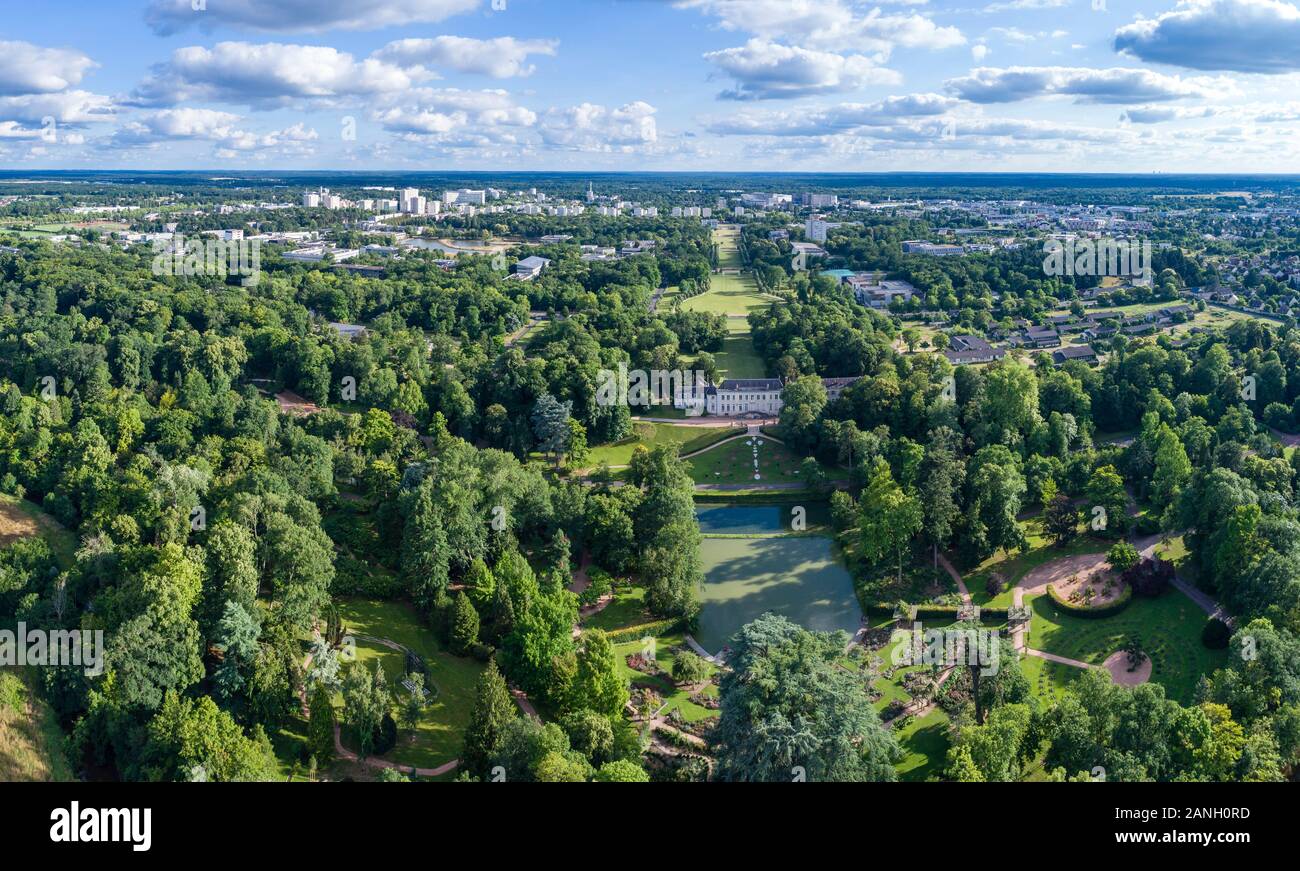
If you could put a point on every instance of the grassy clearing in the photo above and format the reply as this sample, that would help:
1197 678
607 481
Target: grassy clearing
22 519
440 733
687 438
31 742
1014 567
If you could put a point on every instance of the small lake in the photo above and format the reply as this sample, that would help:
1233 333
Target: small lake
799 577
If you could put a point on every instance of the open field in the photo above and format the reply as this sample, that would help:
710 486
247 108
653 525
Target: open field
440 734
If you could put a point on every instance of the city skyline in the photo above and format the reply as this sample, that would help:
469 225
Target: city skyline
695 85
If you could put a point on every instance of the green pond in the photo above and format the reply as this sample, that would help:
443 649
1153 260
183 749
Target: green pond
798 577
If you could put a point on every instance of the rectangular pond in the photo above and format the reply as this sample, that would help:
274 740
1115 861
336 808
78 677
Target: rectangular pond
796 576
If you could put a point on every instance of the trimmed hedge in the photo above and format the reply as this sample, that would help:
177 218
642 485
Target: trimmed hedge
877 609
656 627
1108 610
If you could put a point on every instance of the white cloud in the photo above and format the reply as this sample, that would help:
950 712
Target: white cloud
828 25
770 71
1250 36
1023 5
1158 114
268 73
1115 85
207 125
502 58
592 127
33 69
296 16
841 118
68 107
447 114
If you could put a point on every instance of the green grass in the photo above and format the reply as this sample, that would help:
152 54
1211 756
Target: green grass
440 733
924 742
1169 627
674 699
627 608
20 518
687 438
31 742
733 463
738 359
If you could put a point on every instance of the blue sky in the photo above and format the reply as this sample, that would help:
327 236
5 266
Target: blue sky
836 85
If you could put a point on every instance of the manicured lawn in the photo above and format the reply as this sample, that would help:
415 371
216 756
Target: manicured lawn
738 359
440 734
924 742
665 655
627 608
733 463
797 576
688 438
1169 627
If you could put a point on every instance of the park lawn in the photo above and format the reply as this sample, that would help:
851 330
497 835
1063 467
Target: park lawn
1169 627
733 463
729 294
440 733
627 608
675 699
22 519
738 359
924 742
1013 568
687 438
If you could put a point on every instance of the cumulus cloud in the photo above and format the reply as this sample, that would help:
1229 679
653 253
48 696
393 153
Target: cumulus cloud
451 115
294 16
34 69
1158 114
828 25
841 118
1115 85
267 73
592 127
206 125
770 71
502 58
1249 36
68 107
